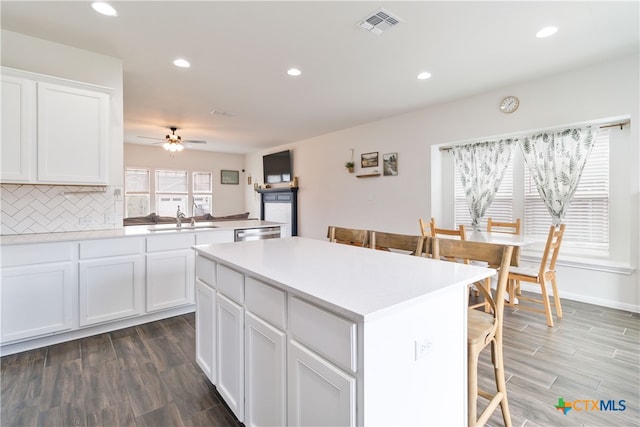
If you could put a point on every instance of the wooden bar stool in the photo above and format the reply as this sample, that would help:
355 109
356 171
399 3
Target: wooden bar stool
392 242
484 329
348 236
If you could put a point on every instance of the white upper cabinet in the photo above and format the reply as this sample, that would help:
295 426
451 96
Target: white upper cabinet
72 135
54 131
18 129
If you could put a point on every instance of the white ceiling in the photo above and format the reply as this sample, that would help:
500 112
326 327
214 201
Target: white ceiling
240 52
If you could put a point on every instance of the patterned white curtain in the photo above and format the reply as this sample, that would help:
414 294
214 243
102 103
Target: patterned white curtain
481 167
556 161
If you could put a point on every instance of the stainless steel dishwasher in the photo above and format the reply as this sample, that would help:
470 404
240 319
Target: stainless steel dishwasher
258 233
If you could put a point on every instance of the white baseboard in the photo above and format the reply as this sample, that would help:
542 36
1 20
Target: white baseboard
30 344
635 308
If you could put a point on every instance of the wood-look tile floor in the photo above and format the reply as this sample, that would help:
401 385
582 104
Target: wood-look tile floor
147 375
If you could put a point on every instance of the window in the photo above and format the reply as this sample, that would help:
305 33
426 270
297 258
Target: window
587 220
202 189
172 192
170 189
136 182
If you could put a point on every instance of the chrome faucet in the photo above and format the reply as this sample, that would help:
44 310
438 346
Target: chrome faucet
193 213
179 216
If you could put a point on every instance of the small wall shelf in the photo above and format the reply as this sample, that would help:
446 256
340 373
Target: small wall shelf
369 175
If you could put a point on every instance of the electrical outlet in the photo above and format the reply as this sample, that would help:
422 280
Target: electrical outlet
85 220
423 347
116 192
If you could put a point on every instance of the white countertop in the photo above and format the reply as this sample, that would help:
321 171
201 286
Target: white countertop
132 230
361 283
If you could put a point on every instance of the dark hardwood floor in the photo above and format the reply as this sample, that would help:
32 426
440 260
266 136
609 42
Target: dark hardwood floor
147 375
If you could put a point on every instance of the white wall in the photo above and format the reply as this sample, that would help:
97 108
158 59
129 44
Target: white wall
330 195
228 199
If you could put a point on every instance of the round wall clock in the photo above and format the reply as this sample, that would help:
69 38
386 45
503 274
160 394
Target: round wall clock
509 104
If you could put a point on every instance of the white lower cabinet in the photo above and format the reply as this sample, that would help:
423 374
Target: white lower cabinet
170 271
206 329
279 360
111 288
36 300
265 373
170 279
319 393
230 354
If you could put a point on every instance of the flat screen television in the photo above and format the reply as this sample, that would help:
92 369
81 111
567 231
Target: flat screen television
277 167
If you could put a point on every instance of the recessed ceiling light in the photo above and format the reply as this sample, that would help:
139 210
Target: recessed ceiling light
546 32
182 63
294 72
424 76
104 8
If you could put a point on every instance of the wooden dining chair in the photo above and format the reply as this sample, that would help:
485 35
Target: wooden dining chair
459 232
348 236
484 329
425 228
503 227
544 273
392 242
506 228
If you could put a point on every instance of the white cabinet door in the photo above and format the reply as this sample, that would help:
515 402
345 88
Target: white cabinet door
230 354
111 288
73 129
170 279
18 129
319 394
206 329
36 300
265 373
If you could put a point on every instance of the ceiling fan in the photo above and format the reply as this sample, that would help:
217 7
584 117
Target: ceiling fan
173 142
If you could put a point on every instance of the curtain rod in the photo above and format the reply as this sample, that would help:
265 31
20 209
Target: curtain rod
610 125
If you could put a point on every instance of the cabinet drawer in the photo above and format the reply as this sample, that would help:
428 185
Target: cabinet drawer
230 283
326 333
168 243
266 302
36 254
206 271
211 237
110 247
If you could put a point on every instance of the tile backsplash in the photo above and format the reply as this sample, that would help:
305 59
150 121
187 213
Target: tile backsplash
28 209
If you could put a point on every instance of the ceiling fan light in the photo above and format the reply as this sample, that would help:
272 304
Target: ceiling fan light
166 146
181 63
104 8
179 147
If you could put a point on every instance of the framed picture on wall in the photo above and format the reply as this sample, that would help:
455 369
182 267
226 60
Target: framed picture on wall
369 160
229 177
390 164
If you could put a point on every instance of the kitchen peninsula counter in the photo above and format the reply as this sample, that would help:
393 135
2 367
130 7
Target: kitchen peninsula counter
355 336
62 286
132 230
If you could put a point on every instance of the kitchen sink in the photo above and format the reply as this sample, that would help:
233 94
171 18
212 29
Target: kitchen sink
174 227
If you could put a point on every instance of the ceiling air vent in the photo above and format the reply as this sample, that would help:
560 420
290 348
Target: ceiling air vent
379 21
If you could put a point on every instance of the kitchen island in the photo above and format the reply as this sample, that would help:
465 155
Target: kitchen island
299 331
